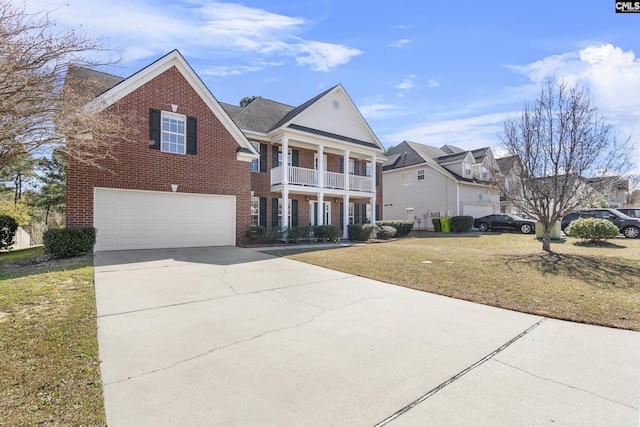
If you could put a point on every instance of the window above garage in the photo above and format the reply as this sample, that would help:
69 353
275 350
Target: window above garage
172 132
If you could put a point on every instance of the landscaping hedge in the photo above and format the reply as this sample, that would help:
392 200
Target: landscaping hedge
67 242
360 232
462 223
8 227
402 227
330 233
593 229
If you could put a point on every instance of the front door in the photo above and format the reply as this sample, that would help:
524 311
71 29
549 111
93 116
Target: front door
315 213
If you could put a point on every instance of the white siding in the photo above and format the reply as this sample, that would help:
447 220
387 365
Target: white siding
336 114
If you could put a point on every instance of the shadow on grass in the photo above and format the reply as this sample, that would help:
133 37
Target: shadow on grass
14 271
596 271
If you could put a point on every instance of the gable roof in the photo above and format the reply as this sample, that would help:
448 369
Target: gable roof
410 153
153 70
264 116
91 82
505 164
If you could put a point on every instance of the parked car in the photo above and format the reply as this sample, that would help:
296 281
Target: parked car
504 222
632 212
628 226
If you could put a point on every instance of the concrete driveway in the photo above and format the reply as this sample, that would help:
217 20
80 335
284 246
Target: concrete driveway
234 337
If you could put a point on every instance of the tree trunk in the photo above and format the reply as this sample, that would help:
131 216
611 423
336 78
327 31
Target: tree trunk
546 237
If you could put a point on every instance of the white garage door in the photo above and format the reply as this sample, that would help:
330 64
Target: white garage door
128 219
476 210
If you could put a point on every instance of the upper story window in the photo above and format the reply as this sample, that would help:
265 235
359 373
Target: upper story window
352 167
406 178
367 168
173 132
420 174
255 163
289 159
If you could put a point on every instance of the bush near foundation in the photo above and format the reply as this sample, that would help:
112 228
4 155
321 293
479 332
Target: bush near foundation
461 223
402 227
68 242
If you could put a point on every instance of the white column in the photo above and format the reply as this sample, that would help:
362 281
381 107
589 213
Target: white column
285 208
321 166
345 216
320 219
285 160
346 170
373 210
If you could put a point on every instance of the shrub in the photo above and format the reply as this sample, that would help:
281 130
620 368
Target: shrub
256 233
593 229
67 242
329 232
360 232
298 232
462 223
402 227
8 227
385 232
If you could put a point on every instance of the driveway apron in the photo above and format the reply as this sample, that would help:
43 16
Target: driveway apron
229 336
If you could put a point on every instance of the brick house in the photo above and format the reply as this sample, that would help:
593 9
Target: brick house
197 172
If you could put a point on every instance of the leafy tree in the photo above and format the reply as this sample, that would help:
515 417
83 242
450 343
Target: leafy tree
38 111
564 148
247 100
52 193
19 172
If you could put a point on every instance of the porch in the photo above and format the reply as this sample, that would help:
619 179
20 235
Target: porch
313 178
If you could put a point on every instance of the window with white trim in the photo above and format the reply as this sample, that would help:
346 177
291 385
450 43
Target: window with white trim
406 178
420 174
255 211
255 163
351 214
352 167
289 157
367 213
173 133
367 168
409 212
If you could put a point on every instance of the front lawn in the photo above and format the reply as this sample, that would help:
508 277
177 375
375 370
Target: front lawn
590 284
49 367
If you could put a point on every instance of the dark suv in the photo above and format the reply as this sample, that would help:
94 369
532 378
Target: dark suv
628 226
632 212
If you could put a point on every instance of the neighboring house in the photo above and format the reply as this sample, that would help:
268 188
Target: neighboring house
422 182
509 168
199 173
612 189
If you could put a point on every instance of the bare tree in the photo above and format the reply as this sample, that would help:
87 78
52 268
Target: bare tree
38 111
633 195
566 154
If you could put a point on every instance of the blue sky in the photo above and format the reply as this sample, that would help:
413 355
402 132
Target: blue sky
446 72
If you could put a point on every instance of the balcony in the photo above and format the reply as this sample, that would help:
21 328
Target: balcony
309 178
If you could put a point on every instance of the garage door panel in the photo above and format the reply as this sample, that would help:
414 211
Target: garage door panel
145 219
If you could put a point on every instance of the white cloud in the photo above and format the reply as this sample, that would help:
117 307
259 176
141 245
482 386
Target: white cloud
406 85
400 43
198 28
402 27
467 133
433 83
376 111
324 56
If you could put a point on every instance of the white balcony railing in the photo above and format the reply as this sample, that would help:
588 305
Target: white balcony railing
309 177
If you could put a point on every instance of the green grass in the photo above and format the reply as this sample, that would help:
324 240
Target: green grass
590 284
48 344
20 255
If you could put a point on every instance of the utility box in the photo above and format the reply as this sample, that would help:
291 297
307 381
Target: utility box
555 230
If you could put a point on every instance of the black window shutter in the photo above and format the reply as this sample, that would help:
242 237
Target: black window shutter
378 176
315 213
341 164
274 156
154 129
263 157
262 221
356 167
356 213
274 212
341 214
294 158
378 213
192 135
294 213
